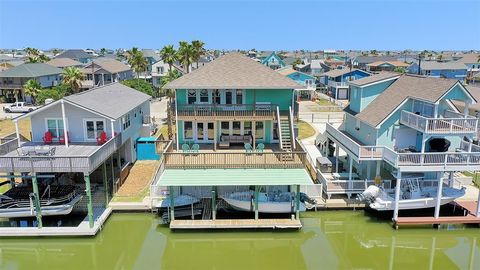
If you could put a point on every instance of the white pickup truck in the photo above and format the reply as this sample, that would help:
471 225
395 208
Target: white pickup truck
19 107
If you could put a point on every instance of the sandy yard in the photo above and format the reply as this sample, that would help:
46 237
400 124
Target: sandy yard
139 178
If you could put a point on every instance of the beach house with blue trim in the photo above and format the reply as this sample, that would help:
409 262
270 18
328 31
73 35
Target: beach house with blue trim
273 61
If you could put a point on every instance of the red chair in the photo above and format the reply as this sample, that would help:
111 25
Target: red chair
61 139
47 137
102 138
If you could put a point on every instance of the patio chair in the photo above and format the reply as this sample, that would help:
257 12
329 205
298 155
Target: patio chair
185 148
195 148
61 139
47 137
102 138
248 148
260 147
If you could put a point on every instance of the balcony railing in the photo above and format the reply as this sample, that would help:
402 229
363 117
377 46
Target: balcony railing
336 84
230 111
11 85
61 163
362 152
462 125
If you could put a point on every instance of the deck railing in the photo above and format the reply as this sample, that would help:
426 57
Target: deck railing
60 163
8 145
230 160
457 125
227 110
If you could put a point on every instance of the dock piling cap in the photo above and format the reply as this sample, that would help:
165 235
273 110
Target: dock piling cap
378 180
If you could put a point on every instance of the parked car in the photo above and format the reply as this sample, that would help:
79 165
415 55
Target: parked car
19 107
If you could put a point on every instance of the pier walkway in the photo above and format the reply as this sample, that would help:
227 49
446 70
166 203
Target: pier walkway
236 224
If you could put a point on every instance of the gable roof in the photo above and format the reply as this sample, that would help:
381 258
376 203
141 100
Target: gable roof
63 62
108 64
230 71
74 54
434 65
469 58
339 72
273 54
475 92
31 70
112 100
375 78
407 86
150 53
392 63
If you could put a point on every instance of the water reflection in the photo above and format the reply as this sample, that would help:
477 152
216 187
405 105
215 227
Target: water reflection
329 240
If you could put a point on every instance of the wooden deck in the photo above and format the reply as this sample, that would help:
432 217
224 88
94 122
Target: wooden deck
236 224
469 218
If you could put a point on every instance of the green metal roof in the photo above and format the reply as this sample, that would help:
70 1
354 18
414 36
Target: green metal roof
234 177
30 70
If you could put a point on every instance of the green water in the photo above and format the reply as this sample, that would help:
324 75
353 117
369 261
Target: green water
329 240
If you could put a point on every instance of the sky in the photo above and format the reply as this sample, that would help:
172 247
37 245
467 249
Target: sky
242 24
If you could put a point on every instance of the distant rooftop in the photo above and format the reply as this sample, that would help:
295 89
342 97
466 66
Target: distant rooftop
30 70
375 78
74 54
63 62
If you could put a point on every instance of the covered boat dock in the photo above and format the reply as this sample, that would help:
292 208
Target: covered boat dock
214 178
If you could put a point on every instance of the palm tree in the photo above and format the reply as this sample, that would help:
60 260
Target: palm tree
55 52
137 61
32 88
440 57
172 75
185 54
35 56
373 52
103 51
198 49
169 55
73 77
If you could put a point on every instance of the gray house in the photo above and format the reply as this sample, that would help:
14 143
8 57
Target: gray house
104 71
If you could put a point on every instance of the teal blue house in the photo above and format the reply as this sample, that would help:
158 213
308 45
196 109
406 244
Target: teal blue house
273 61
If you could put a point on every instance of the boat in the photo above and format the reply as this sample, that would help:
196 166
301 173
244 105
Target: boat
271 202
55 200
412 196
178 201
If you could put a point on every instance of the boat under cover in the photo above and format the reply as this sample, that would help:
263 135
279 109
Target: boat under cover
272 202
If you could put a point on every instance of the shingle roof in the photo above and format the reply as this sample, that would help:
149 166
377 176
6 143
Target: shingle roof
150 53
371 59
375 78
74 54
434 65
393 63
475 92
407 86
108 64
63 62
339 72
233 70
31 70
469 58
113 100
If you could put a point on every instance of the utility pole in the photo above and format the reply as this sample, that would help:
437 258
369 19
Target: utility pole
419 63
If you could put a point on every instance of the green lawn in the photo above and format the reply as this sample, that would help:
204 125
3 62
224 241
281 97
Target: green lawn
305 130
136 198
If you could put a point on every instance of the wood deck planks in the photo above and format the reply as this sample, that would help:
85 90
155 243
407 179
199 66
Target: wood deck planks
237 224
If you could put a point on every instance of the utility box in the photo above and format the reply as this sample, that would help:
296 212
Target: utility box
146 149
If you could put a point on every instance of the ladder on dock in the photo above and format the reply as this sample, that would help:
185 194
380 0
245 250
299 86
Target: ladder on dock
206 208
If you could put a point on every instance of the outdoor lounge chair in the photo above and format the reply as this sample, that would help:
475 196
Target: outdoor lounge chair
102 138
185 148
248 148
195 148
260 147
47 137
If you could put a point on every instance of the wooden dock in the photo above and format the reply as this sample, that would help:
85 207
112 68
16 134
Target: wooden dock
236 224
469 218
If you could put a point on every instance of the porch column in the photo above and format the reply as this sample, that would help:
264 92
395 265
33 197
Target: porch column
172 203
368 169
466 108
112 126
450 179
12 179
297 203
377 171
113 172
38 210
214 207
336 157
477 214
105 181
350 171
256 201
88 191
103 79
439 197
65 126
17 132
397 195
214 136
176 122
254 139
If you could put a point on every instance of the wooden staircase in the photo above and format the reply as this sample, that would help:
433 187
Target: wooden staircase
286 134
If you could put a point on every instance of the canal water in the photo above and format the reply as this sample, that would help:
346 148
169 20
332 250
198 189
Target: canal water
329 240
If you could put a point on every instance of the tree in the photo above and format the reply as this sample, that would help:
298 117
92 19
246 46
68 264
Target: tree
440 57
55 52
373 52
103 51
140 85
172 75
32 88
35 56
169 55
297 62
54 93
401 70
137 61
73 77
185 54
198 50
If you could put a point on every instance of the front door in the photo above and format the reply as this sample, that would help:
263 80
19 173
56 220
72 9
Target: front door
204 132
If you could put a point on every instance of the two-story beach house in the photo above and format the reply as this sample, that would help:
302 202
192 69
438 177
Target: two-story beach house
449 70
234 124
405 128
273 61
336 81
103 71
13 79
84 141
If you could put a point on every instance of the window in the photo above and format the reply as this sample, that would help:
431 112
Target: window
259 131
216 96
247 128
423 108
228 97
188 130
236 127
126 121
94 128
225 128
159 69
204 96
239 96
191 96
55 126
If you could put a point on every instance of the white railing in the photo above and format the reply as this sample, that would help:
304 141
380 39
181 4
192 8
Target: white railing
279 128
8 146
349 187
336 84
423 124
292 131
350 144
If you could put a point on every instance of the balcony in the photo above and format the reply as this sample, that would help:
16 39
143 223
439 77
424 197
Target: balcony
465 159
226 112
11 85
337 84
78 157
453 123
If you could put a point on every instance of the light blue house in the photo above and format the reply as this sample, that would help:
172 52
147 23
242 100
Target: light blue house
77 54
449 70
400 127
273 61
337 80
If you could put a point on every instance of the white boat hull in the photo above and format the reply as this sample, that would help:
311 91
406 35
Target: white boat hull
54 210
264 207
